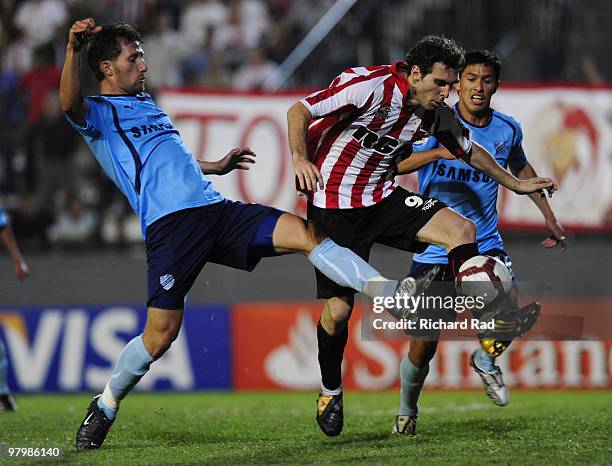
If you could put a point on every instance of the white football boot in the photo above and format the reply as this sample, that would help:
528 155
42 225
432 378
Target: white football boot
493 383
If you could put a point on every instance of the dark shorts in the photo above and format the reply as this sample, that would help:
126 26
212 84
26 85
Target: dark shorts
393 222
179 244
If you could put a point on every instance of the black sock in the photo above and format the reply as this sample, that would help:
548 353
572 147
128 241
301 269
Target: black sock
459 255
331 351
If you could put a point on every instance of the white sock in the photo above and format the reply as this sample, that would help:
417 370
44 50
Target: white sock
328 392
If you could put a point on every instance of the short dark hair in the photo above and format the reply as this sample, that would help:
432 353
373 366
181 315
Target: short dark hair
484 57
107 44
435 49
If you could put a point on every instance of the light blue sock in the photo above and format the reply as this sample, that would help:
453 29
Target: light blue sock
3 370
347 269
134 362
411 382
484 361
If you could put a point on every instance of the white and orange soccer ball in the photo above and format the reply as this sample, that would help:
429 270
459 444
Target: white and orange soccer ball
484 276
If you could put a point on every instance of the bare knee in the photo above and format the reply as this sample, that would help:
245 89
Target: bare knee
336 314
161 330
314 236
158 342
463 233
422 351
295 234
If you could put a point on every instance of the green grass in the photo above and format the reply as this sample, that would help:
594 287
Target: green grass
265 428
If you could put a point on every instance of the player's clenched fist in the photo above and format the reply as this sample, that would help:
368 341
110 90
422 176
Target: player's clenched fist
80 33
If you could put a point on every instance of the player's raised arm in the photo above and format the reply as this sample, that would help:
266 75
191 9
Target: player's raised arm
308 176
557 233
483 161
71 100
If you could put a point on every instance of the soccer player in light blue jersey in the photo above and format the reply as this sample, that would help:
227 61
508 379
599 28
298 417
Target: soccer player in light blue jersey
7 402
185 221
474 195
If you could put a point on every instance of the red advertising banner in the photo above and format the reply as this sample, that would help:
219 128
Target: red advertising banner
274 347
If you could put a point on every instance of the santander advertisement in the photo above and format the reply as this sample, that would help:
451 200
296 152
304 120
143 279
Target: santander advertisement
275 347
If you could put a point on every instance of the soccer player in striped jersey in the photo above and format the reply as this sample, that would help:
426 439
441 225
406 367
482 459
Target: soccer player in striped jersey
346 141
185 221
473 194
7 402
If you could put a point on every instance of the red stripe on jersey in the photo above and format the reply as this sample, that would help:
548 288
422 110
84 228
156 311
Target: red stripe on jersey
395 132
348 153
330 91
362 179
332 188
317 128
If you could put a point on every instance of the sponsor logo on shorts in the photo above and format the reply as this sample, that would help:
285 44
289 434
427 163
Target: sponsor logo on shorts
166 281
413 201
430 203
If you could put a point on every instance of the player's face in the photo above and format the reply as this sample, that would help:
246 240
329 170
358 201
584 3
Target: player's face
432 89
128 70
476 87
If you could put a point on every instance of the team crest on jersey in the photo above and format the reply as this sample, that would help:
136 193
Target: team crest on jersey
382 112
166 281
499 146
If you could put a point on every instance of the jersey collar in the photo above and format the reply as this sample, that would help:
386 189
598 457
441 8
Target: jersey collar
402 83
456 107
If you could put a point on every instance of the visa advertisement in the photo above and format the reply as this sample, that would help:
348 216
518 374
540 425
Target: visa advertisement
74 349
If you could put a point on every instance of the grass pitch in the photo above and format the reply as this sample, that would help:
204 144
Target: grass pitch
279 428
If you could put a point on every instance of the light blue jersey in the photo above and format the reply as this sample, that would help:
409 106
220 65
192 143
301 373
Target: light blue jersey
3 217
139 149
469 191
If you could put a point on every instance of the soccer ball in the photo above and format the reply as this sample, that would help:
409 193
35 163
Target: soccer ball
484 276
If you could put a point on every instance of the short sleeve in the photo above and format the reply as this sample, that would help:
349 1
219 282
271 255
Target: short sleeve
93 123
517 158
346 91
425 144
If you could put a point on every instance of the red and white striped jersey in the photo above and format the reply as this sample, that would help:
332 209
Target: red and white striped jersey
363 125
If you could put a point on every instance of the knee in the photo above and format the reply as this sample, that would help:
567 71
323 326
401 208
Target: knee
464 231
313 235
468 231
159 340
422 352
336 314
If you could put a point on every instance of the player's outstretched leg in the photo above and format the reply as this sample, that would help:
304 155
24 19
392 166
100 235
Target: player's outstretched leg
134 361
7 402
340 264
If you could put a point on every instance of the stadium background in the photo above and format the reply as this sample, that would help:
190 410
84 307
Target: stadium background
209 64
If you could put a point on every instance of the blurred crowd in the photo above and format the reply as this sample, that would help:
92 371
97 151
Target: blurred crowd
52 186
